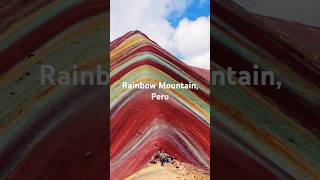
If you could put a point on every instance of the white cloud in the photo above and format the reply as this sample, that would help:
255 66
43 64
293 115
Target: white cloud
201 60
190 41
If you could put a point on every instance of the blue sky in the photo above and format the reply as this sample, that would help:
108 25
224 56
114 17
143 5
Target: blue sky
195 9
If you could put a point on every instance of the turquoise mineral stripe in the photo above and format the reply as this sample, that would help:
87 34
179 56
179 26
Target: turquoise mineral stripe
291 82
258 145
158 77
157 59
70 54
259 117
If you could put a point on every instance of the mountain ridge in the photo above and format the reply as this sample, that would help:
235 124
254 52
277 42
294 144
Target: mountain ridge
179 126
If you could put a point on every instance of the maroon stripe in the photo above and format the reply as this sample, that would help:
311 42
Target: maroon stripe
268 41
29 43
294 105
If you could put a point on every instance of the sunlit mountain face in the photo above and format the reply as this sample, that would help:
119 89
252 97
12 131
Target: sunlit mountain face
140 126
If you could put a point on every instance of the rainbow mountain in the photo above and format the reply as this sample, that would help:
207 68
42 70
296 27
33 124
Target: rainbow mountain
261 132
139 126
52 132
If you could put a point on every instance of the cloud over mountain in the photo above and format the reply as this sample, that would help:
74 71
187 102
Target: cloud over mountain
189 40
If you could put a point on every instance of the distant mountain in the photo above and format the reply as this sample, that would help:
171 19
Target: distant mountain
304 12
